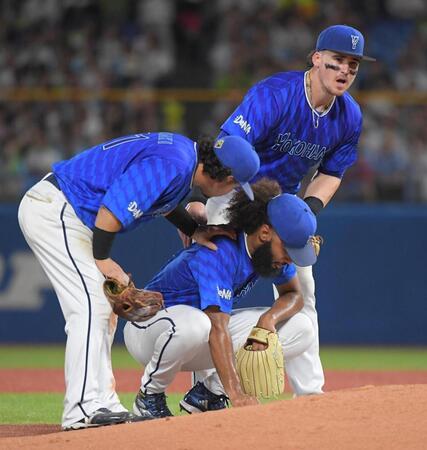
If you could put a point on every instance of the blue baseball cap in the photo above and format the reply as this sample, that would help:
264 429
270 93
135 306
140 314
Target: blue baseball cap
294 222
343 39
240 156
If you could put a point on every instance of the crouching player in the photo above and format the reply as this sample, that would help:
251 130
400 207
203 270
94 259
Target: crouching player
198 329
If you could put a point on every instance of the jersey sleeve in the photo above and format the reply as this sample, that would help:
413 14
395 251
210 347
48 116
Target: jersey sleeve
213 272
288 272
138 189
256 116
338 161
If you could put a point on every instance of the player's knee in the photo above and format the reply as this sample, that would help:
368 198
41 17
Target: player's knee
296 335
306 332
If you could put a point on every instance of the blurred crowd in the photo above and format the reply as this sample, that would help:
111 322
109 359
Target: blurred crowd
104 50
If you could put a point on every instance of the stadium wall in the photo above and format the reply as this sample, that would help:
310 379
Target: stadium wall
371 276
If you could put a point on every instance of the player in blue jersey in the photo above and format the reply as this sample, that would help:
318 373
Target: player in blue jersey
70 218
198 329
298 121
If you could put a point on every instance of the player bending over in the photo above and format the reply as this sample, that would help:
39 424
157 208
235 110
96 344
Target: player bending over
198 329
70 218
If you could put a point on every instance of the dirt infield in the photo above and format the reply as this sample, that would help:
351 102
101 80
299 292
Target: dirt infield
383 417
52 380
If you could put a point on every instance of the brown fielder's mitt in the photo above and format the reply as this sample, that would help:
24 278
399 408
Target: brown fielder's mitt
261 372
130 303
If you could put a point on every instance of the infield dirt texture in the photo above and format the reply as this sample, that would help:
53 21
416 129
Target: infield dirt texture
375 399
384 417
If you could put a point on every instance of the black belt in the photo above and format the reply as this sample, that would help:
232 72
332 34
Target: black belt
52 179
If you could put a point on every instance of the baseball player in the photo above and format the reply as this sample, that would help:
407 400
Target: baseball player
199 287
298 121
70 218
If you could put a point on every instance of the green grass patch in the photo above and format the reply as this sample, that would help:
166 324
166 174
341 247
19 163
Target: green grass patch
47 408
33 408
374 358
333 358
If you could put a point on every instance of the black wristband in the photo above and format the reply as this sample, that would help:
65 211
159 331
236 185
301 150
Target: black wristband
182 220
196 195
102 243
315 204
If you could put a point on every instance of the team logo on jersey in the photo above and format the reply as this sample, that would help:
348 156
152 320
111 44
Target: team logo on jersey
133 208
246 288
224 293
354 41
296 147
218 143
243 124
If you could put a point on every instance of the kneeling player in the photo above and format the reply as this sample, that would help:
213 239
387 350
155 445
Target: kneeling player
198 330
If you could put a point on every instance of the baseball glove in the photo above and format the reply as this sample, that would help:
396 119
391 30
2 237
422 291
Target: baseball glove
261 372
130 303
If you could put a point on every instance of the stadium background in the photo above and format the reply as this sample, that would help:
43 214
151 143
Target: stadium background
76 72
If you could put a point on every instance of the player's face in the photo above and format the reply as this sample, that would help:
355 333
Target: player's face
280 255
270 257
214 188
337 71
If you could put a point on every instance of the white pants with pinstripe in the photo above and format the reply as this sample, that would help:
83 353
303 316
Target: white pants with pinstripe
63 246
177 339
305 373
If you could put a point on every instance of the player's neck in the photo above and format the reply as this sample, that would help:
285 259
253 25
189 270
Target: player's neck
320 99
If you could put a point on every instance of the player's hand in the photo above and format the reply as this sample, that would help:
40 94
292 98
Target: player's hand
205 233
243 400
111 269
197 211
266 322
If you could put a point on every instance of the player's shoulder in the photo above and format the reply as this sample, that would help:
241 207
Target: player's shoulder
227 250
350 106
173 149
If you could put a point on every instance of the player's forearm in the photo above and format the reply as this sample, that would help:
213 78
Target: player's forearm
221 348
323 187
285 307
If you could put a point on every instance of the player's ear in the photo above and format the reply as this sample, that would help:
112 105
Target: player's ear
316 59
231 180
265 233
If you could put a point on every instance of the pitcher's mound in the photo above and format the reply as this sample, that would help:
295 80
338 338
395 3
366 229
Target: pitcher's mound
386 417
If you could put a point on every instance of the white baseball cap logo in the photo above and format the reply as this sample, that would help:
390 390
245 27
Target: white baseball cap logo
354 41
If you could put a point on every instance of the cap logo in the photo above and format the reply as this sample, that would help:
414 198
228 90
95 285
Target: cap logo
316 242
354 41
219 143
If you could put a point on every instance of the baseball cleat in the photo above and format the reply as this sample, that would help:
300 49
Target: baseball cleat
200 399
153 404
103 416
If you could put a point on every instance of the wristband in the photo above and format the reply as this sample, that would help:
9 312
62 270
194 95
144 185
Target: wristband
182 220
102 243
315 204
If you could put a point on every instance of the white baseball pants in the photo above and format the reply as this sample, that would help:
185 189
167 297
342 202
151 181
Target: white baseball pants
63 246
305 373
177 339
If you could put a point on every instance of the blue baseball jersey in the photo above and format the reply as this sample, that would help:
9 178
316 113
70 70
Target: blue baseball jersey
136 177
200 277
276 118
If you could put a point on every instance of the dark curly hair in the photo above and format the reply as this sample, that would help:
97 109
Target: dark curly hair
247 215
211 164
309 59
